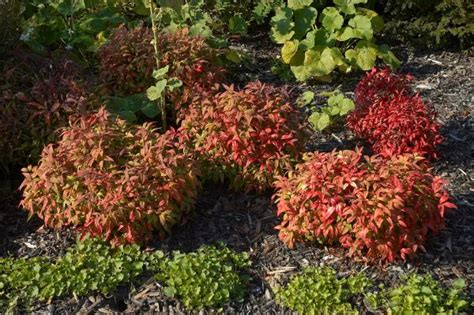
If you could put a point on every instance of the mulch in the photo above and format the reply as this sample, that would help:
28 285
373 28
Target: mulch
246 222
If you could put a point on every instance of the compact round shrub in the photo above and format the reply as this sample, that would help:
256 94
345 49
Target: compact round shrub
112 180
391 118
127 62
37 96
319 291
381 209
208 277
247 136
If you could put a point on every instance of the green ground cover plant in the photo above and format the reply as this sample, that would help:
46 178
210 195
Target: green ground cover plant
319 291
91 266
210 276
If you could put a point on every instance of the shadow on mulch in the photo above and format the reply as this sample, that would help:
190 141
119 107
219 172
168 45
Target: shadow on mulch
457 148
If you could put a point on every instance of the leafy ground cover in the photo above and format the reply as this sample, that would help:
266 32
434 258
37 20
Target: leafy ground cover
254 271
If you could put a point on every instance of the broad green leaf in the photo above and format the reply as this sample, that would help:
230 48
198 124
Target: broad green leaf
127 116
345 34
346 106
375 19
304 21
323 38
155 92
363 56
160 73
308 42
299 4
331 19
151 110
305 98
320 61
319 120
362 27
233 56
288 50
173 84
69 7
388 57
169 291
237 25
282 25
348 6
200 29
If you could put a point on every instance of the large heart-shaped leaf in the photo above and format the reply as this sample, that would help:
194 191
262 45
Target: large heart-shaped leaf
282 25
288 50
299 4
362 27
155 92
331 19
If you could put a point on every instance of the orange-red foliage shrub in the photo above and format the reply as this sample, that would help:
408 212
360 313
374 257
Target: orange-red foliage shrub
127 62
112 180
391 118
248 136
37 96
380 209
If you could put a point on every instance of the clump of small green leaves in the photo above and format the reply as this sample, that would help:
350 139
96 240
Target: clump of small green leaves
91 266
421 294
318 39
208 277
338 106
319 291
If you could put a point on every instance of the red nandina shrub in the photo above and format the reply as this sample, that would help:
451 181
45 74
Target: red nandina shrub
381 84
112 180
391 118
378 208
404 124
127 62
37 96
247 136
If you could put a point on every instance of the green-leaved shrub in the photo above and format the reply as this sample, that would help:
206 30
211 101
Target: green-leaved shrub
208 277
318 38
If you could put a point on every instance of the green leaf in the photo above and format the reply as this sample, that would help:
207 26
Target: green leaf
459 284
375 19
299 4
151 110
173 84
305 98
388 57
288 50
346 106
331 19
233 56
320 61
282 25
362 27
69 7
345 34
237 25
320 121
348 6
169 291
304 21
155 92
160 73
127 116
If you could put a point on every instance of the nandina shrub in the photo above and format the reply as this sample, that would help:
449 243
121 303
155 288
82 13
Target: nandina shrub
112 180
404 124
37 96
380 209
247 136
381 84
127 61
391 118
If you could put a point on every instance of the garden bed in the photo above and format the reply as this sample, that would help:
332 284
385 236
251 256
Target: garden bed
245 222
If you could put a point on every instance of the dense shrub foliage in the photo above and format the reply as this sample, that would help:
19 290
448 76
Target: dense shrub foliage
319 38
37 96
319 291
208 277
247 136
112 180
393 119
431 22
380 209
91 266
127 62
